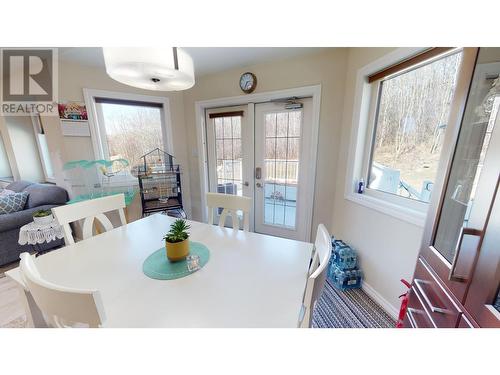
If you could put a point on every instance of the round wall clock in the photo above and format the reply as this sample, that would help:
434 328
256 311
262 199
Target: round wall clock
248 82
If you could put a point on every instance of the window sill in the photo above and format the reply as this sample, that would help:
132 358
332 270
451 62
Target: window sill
398 211
7 179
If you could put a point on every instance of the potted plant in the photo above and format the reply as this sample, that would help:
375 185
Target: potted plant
43 217
177 241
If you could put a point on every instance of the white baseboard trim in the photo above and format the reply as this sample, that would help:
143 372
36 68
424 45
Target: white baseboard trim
389 309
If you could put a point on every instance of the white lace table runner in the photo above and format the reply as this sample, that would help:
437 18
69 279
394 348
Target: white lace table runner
34 233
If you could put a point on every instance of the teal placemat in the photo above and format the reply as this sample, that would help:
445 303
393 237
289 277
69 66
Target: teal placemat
157 266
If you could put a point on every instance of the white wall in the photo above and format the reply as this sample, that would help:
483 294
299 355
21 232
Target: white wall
326 68
388 247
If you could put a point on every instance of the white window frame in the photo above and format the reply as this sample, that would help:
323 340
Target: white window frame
9 150
98 131
10 178
362 132
37 126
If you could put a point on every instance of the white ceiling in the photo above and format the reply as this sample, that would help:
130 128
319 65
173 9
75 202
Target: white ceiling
206 60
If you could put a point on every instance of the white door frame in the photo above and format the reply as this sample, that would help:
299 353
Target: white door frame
200 107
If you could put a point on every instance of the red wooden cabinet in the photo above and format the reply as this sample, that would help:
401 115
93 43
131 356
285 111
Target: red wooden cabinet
483 296
438 304
457 276
466 322
416 314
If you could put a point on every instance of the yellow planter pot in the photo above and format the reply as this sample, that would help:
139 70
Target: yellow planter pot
177 251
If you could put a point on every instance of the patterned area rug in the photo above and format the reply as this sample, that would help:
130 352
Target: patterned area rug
350 309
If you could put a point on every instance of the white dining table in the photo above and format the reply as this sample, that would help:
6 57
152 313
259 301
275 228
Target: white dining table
250 280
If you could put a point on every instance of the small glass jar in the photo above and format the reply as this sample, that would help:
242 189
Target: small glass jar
193 262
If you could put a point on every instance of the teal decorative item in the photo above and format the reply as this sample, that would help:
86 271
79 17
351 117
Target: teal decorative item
129 196
157 266
86 164
90 179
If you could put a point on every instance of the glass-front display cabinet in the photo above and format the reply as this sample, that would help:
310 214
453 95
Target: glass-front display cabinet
458 271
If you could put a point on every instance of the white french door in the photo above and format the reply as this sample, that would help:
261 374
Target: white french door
230 152
283 188
262 151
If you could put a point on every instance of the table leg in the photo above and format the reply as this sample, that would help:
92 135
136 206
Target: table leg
36 250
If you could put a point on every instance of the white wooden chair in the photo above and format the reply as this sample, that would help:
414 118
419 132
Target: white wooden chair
89 210
230 204
317 275
61 306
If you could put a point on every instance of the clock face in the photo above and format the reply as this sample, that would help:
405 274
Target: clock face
248 81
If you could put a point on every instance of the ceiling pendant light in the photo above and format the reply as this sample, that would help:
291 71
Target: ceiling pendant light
160 69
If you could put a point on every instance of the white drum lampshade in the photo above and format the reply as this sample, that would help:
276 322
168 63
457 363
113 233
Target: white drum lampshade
160 69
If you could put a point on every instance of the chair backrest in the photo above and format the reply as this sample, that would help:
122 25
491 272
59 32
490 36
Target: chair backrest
90 210
317 274
61 306
230 204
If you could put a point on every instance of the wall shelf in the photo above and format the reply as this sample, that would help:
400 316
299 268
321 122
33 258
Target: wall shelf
75 128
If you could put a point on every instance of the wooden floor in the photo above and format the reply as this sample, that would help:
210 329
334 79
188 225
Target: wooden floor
11 309
7 267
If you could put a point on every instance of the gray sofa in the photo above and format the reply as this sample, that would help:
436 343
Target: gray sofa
41 197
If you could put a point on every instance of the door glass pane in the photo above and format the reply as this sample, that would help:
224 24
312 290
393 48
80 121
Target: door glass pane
477 127
412 114
281 167
229 155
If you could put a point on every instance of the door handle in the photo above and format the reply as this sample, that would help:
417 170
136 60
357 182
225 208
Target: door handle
433 308
409 314
463 232
258 184
246 183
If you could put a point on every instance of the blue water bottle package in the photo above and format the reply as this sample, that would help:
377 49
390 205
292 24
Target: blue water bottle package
343 269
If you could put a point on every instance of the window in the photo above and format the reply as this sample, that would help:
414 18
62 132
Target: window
5 171
410 114
25 160
127 126
29 154
129 129
228 152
